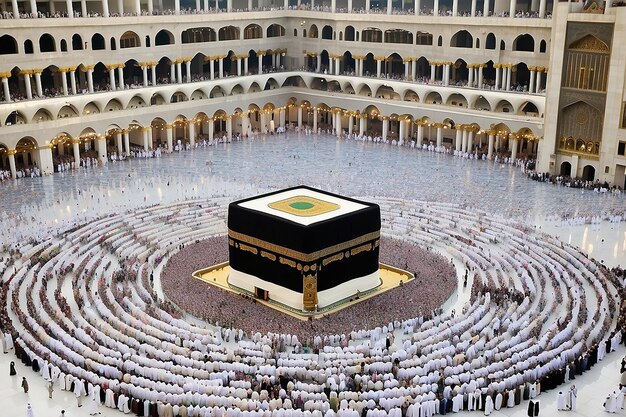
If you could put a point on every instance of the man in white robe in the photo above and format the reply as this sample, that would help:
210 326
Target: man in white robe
29 411
610 405
560 401
619 400
573 395
488 405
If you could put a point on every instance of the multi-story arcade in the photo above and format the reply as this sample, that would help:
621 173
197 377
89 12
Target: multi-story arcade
92 78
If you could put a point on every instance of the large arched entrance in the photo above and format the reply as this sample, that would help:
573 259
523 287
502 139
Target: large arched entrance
589 173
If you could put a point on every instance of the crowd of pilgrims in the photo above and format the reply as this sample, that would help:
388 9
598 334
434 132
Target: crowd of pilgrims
567 181
205 376
434 276
375 384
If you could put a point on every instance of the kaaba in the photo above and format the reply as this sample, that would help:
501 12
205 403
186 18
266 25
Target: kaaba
304 248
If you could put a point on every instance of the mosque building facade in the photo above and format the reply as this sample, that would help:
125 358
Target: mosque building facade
509 77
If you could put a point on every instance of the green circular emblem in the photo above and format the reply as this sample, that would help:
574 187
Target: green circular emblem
301 205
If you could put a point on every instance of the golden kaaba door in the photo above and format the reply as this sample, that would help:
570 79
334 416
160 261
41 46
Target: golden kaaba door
309 295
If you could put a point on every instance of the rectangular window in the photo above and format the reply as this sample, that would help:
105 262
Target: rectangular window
621 148
623 124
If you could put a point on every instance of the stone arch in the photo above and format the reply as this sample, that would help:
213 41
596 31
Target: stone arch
91 108
217 91
275 30
237 89
42 115
15 118
327 32
136 102
129 39
524 42
252 31
67 111
47 43
271 84
365 90
228 33
387 92
589 173
8 45
481 103
157 99
77 42
565 169
198 35
400 36
433 98
529 108
410 95
372 35
504 106
198 94
24 149
462 39
457 100
113 105
164 37
313 33
349 33
490 41
254 88
97 42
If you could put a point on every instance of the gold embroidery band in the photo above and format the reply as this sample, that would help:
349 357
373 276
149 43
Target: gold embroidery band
360 249
248 248
300 256
287 262
333 258
268 255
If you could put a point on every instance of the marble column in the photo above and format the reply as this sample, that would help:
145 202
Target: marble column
459 138
385 128
490 146
118 142
126 141
90 79
191 128
29 91
144 70
12 153
76 150
38 83
112 78
63 76
170 137
6 90
439 137
73 82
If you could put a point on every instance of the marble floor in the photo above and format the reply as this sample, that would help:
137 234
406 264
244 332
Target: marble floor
43 206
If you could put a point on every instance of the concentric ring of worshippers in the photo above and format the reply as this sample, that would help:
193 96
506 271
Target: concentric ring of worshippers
538 316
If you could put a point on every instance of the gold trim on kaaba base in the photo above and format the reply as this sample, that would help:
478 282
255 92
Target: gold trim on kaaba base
317 206
300 256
